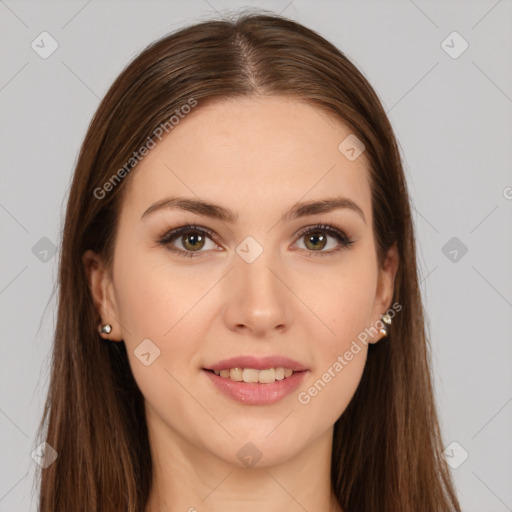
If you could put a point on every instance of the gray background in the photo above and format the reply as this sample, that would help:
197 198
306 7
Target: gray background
452 117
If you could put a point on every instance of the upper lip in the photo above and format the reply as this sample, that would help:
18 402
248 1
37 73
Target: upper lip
258 363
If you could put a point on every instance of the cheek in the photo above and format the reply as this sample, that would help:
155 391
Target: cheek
340 352
156 297
344 301
345 307
160 304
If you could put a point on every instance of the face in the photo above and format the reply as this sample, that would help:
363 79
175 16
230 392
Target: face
264 282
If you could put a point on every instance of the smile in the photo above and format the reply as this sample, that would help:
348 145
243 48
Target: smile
248 375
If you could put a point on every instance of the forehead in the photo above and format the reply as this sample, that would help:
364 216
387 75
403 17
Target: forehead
254 155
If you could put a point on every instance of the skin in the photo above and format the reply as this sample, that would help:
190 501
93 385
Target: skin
256 156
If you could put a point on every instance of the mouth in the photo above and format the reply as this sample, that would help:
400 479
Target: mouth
253 375
265 385
256 380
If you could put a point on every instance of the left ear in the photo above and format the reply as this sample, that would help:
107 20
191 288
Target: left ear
385 286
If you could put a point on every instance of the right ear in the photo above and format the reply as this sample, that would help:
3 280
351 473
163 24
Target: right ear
101 287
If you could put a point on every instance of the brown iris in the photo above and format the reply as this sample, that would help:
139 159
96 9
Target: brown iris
195 241
315 237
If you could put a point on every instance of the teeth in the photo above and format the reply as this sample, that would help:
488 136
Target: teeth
249 375
236 374
266 376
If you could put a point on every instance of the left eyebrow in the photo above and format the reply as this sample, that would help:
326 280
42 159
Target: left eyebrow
322 206
218 212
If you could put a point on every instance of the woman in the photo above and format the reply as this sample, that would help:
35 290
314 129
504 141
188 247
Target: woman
240 324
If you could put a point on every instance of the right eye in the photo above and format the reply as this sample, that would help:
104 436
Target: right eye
191 237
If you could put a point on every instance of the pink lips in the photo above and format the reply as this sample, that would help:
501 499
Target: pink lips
255 393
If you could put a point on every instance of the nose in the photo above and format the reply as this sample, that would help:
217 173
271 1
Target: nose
257 298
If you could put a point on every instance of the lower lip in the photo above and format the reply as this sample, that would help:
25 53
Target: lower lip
253 393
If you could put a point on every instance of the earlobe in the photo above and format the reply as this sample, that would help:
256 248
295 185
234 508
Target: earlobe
101 288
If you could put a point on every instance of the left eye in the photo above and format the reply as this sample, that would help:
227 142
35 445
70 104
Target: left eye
315 237
193 239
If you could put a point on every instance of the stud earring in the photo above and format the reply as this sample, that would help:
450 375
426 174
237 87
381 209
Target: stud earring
387 320
105 329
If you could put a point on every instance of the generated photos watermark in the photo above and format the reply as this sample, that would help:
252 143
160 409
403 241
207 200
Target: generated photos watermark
304 397
137 156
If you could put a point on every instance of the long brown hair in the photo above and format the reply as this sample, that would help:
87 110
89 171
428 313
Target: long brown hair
387 444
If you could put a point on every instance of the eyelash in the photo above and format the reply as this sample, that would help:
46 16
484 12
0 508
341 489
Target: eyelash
170 236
